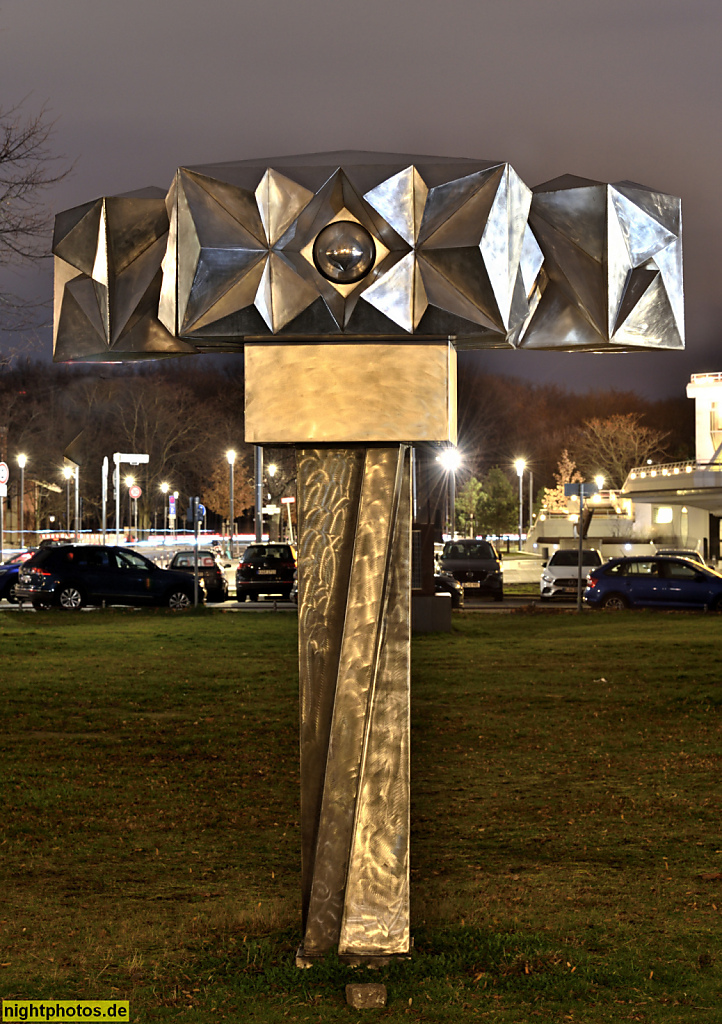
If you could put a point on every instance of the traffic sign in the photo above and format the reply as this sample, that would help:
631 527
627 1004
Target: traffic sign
135 492
3 490
4 473
271 510
287 501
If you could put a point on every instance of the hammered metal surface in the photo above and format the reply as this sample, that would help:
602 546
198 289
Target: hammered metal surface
329 490
376 908
369 723
321 393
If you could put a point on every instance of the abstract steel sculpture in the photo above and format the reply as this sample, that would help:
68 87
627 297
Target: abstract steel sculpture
350 280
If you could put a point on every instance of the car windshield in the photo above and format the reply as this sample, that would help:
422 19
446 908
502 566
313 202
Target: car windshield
480 549
255 551
571 557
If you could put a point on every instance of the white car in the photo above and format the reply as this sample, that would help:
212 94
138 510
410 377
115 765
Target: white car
560 574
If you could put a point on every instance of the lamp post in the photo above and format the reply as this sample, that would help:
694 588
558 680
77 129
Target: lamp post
164 491
231 457
450 460
22 462
520 466
272 470
258 460
67 473
78 524
129 481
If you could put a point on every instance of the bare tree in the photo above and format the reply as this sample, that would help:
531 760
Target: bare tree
613 446
28 168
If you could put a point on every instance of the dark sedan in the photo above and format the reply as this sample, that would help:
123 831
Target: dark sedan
72 576
657 582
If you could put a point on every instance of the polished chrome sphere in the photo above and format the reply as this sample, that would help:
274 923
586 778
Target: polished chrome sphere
344 252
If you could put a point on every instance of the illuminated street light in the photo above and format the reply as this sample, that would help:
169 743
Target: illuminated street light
450 460
22 462
231 457
164 488
68 474
520 466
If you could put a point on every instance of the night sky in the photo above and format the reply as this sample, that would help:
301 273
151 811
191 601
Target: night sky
608 90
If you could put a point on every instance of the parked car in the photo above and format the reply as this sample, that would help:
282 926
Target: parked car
476 564
72 576
265 569
662 581
446 584
9 574
560 574
683 553
210 570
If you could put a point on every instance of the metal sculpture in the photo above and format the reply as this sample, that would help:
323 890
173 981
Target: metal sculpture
350 280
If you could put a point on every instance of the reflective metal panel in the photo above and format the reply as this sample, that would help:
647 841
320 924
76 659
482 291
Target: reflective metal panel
601 243
355 724
317 393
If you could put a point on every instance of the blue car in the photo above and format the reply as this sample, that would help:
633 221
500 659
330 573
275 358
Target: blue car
660 581
9 575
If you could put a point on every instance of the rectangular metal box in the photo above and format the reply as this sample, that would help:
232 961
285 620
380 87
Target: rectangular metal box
306 392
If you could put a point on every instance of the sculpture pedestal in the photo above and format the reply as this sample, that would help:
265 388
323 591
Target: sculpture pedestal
354 659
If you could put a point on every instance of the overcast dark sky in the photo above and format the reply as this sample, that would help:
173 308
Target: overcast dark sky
608 89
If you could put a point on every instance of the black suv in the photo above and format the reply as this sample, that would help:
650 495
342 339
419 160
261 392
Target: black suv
210 571
265 569
74 575
476 565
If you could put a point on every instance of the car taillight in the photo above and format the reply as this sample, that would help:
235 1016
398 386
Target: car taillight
39 572
592 581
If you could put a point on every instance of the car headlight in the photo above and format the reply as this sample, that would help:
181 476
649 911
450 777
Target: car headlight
546 578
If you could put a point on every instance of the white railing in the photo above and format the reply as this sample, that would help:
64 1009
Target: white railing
664 469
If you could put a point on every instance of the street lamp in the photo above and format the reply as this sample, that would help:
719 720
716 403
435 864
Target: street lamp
164 491
272 469
22 462
450 460
129 481
231 457
67 473
520 466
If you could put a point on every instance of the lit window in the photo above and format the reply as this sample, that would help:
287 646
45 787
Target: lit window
663 514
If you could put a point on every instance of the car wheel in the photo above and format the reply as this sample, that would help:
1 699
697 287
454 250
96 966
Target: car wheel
716 605
70 598
41 604
615 603
499 596
179 600
9 595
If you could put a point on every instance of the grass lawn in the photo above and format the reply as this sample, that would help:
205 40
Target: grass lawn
566 849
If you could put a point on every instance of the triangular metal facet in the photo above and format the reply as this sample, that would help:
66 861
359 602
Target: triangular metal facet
578 213
445 200
76 235
643 234
400 200
280 201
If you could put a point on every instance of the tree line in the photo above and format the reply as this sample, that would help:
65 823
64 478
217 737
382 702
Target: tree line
187 413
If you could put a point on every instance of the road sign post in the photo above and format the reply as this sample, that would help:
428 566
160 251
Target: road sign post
580 491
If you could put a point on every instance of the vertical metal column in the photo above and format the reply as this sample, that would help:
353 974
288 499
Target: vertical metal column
354 656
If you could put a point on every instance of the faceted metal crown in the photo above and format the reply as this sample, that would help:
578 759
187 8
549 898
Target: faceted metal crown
426 247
